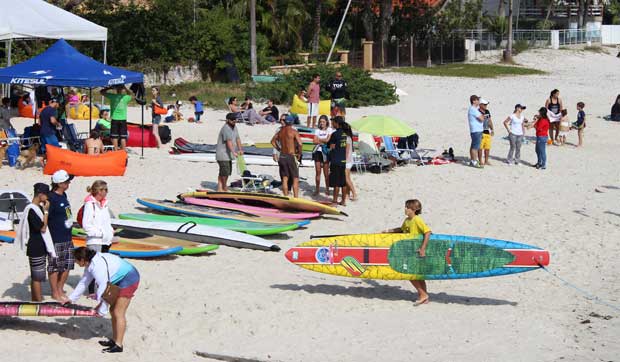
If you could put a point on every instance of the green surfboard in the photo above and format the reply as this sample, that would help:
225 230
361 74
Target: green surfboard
135 237
247 227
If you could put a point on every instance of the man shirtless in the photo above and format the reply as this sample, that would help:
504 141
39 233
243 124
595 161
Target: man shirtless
288 143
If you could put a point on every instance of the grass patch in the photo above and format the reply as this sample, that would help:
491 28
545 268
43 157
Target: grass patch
211 94
470 70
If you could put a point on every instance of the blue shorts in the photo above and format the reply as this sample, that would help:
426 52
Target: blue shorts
49 139
476 138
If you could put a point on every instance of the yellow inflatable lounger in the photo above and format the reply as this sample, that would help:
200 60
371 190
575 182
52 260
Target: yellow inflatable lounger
83 112
300 107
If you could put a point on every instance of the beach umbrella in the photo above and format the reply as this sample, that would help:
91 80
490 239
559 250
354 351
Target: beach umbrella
382 126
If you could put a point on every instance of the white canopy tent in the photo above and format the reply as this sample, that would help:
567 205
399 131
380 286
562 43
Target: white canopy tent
27 19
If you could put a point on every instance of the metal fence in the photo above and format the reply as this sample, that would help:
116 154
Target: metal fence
486 40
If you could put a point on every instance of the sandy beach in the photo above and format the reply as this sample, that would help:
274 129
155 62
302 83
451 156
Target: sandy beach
257 305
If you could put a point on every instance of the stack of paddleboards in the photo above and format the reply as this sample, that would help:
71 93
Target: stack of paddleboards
261 203
187 151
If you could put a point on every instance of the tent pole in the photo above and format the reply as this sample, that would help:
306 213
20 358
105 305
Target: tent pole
105 52
90 110
9 53
142 130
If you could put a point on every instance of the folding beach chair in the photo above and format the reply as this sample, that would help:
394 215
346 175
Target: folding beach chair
370 153
73 138
249 182
241 117
397 154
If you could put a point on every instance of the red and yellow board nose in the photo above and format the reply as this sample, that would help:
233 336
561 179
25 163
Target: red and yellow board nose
529 257
306 256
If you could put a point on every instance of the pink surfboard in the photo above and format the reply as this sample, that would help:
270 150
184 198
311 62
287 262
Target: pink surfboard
260 211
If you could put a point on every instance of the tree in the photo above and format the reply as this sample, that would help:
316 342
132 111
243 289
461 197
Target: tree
508 52
368 20
317 26
385 21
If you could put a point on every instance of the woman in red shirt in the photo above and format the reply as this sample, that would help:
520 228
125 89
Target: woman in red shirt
541 124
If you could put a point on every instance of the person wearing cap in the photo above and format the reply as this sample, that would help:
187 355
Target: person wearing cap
48 119
338 90
487 133
515 125
225 150
288 142
34 236
338 160
60 223
476 120
118 112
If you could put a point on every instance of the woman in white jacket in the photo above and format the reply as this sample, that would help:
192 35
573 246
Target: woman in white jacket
96 220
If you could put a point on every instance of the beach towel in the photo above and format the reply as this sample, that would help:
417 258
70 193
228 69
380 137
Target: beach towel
23 231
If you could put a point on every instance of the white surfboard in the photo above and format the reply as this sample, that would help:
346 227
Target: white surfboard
249 159
198 233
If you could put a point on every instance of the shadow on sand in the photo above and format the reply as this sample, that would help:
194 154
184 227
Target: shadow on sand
71 328
389 293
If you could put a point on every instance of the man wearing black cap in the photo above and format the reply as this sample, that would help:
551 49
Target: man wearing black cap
225 150
49 123
288 143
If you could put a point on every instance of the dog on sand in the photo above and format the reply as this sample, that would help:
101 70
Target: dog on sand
28 156
3 149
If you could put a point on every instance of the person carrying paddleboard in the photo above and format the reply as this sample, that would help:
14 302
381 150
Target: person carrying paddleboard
415 226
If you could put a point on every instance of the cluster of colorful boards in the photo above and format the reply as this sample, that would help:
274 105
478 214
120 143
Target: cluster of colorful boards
126 248
257 199
199 216
395 256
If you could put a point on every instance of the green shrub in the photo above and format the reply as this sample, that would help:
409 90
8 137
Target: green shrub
363 90
520 46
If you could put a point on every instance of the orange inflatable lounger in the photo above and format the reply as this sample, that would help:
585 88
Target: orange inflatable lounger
111 163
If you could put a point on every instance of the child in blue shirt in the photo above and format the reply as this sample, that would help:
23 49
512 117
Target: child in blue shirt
198 111
581 122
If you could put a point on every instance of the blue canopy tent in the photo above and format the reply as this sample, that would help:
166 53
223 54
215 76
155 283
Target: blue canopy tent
62 65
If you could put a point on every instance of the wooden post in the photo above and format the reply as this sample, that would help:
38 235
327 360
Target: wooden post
305 57
344 56
367 54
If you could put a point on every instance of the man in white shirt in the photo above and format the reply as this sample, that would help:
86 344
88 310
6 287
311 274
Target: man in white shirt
476 120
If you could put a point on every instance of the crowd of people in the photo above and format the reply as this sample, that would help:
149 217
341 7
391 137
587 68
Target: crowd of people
333 144
551 124
45 232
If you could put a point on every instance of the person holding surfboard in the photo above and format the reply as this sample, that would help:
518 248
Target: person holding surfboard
415 226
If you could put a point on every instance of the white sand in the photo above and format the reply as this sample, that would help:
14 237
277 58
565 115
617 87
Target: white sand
258 305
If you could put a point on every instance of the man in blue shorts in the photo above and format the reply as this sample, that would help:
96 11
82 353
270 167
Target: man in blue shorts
476 126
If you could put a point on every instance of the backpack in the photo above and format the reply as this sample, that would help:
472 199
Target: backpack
80 215
164 134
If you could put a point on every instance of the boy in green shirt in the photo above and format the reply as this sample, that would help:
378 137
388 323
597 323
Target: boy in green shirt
118 112
415 226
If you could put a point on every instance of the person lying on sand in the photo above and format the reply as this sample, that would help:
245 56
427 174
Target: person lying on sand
415 226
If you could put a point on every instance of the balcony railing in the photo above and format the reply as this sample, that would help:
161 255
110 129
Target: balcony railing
559 11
